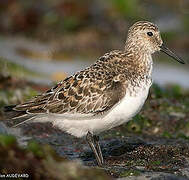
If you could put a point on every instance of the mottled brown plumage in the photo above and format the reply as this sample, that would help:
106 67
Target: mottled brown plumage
108 93
88 91
91 90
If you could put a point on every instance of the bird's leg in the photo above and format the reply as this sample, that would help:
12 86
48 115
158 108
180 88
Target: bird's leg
96 141
90 140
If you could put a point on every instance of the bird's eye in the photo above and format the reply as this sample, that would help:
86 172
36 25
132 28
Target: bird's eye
150 33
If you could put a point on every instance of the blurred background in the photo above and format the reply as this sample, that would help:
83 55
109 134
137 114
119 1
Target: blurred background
45 41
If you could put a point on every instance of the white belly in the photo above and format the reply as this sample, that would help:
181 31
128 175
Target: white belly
122 112
127 108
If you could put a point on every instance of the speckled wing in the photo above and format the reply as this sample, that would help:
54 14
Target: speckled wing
91 91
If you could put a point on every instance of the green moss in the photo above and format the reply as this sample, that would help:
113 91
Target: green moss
29 93
138 162
134 127
7 140
167 134
173 91
127 8
70 23
138 124
14 69
157 91
41 162
131 172
35 148
156 163
182 135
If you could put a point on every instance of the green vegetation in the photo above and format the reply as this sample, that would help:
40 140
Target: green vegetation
130 173
41 162
7 140
129 9
137 124
12 69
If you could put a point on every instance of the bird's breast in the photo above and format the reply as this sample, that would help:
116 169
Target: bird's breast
127 108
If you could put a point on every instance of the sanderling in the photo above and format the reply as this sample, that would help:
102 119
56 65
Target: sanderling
105 95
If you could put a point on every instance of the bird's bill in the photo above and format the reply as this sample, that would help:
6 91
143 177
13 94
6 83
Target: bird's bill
167 51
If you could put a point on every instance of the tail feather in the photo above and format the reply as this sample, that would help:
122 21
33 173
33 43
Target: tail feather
23 120
9 108
15 118
10 113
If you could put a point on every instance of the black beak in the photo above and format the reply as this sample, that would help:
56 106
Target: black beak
166 50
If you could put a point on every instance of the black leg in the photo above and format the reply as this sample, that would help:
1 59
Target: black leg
96 141
90 140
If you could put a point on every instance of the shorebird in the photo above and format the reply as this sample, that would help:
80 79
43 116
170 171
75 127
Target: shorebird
105 95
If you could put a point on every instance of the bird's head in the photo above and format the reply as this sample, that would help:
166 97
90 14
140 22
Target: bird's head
144 36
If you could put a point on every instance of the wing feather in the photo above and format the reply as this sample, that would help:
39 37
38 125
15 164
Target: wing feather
91 91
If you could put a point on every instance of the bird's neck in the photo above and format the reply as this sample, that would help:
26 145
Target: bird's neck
136 47
141 59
